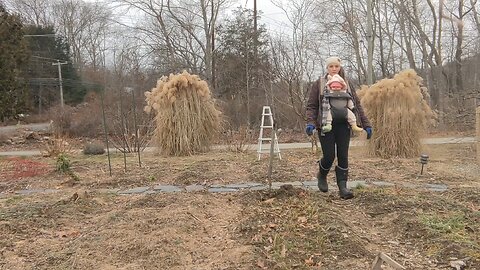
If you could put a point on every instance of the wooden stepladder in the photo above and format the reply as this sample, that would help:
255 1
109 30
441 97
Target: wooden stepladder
267 115
381 258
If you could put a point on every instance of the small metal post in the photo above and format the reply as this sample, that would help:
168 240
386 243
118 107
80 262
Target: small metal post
136 128
423 160
478 130
102 97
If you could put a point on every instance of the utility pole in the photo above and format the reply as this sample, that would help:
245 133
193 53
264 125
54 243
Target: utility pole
255 29
59 64
213 46
370 43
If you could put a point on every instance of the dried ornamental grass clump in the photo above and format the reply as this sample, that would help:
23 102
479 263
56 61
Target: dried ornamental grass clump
399 114
186 118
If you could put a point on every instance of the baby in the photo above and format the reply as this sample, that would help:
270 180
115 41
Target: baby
336 84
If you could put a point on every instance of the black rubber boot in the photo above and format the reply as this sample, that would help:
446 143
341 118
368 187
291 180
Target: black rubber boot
342 178
322 177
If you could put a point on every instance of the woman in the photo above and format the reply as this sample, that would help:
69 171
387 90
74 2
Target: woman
339 137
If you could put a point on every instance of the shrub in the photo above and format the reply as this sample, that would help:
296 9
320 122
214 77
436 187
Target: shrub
56 146
84 120
186 118
3 138
399 115
93 149
61 118
63 163
238 140
87 120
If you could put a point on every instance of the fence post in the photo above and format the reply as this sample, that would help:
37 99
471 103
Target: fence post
478 133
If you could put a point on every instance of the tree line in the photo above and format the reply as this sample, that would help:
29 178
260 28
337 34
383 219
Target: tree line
127 44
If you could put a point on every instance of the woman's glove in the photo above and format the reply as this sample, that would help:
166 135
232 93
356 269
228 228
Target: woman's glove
369 131
309 129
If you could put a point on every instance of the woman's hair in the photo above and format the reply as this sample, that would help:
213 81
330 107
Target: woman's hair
341 72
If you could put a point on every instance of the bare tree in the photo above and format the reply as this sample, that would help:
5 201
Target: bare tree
476 19
130 128
179 31
82 24
406 41
353 13
34 12
293 54
458 20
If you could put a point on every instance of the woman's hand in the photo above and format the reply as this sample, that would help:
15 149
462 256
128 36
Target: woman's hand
369 131
309 129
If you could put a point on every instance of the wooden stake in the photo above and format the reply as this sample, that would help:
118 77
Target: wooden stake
270 163
381 258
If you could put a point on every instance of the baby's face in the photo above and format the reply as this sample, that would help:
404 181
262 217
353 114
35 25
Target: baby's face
336 86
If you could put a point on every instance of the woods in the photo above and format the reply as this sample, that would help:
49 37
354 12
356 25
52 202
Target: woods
247 63
13 55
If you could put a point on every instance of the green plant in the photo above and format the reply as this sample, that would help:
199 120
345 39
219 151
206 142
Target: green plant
93 149
445 225
63 165
13 200
360 186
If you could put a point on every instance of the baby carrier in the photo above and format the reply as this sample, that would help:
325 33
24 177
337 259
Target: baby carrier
335 102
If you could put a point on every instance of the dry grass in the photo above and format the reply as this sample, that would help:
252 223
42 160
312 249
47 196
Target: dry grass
399 114
81 228
57 145
187 120
295 229
238 140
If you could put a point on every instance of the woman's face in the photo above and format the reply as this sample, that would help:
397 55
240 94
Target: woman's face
333 69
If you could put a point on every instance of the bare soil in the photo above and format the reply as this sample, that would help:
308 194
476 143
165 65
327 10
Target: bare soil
80 227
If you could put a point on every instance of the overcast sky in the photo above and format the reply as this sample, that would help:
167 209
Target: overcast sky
272 16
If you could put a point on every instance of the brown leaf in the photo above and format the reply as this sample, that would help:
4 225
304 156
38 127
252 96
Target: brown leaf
302 219
261 264
310 261
269 200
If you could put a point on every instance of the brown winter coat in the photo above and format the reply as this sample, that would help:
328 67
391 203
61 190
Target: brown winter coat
314 107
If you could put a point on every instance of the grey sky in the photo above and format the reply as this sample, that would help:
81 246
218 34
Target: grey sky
272 16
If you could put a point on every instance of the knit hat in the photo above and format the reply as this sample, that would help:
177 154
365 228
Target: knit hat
336 79
333 60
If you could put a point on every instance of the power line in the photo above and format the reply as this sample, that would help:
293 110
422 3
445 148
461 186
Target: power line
45 35
46 58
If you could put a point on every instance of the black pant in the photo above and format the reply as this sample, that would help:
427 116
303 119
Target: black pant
339 136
